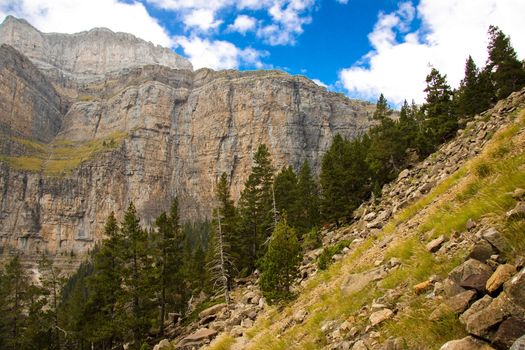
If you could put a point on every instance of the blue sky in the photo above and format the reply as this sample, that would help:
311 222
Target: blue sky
358 47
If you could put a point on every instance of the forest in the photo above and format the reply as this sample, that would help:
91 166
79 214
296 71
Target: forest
140 278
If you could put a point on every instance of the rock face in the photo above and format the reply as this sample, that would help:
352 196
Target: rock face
143 134
97 51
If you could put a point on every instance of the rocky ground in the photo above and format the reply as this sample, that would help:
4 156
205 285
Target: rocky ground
410 276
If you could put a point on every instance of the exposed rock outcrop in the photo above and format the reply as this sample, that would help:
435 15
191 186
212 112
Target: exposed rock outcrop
94 52
144 134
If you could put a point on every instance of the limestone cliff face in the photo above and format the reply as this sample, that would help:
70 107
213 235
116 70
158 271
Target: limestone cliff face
97 51
149 133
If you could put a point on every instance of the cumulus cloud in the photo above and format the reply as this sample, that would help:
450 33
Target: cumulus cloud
450 31
71 16
243 24
320 83
218 54
203 19
286 18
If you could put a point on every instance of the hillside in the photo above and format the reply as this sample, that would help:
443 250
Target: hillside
439 257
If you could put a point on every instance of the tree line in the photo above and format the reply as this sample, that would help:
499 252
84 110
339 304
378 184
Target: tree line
138 277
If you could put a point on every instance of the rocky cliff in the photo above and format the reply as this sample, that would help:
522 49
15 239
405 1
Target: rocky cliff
141 133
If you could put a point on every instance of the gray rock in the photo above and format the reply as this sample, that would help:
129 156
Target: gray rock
519 344
435 244
518 212
495 238
508 332
358 281
213 310
472 274
467 343
380 316
199 336
482 251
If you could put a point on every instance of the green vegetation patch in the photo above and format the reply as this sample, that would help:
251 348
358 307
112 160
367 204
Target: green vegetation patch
60 156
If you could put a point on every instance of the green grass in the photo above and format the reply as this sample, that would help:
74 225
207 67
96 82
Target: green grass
223 342
60 156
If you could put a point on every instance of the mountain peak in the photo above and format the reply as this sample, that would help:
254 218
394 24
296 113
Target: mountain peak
94 52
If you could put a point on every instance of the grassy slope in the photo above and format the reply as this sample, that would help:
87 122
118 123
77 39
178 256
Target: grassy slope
478 190
60 156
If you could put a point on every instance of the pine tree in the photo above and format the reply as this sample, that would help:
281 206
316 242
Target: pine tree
306 206
344 178
229 222
472 95
105 286
507 72
285 190
280 263
440 122
255 209
382 110
137 276
52 283
168 244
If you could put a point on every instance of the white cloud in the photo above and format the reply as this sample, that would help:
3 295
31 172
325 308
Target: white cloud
203 19
320 83
71 16
243 24
286 17
450 31
218 54
342 2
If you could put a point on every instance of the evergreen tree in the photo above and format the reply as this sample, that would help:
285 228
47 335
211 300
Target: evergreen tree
52 283
137 276
344 178
105 285
440 122
306 207
382 110
473 95
285 190
169 261
229 223
280 263
508 74
255 209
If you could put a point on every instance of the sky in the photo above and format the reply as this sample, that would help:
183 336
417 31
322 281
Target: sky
358 47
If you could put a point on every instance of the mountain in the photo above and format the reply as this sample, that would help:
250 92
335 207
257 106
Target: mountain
94 120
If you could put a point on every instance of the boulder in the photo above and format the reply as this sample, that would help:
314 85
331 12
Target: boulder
162 345
472 274
300 315
482 251
467 343
519 193
380 316
519 344
451 288
359 345
356 282
435 244
482 322
456 304
197 337
403 174
518 212
495 238
213 310
515 289
508 332
502 274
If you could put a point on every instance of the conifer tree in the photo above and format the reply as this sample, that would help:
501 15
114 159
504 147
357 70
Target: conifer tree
440 121
168 244
507 72
382 109
52 283
229 221
219 261
474 93
280 264
255 208
105 285
307 201
137 276
344 178
285 190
